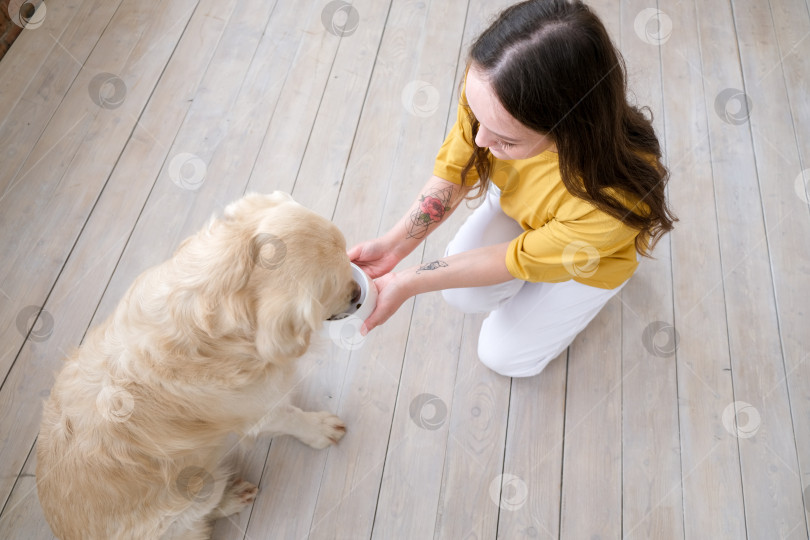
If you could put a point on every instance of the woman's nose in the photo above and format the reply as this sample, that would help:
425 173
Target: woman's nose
484 139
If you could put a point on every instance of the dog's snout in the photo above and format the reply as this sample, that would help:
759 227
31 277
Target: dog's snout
355 292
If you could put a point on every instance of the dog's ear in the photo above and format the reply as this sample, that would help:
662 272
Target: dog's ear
284 326
221 262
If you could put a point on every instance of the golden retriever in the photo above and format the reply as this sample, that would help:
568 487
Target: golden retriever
134 432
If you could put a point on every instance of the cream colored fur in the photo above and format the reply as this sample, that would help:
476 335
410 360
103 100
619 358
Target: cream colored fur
133 434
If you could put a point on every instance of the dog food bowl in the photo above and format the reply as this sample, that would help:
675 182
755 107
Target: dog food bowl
365 304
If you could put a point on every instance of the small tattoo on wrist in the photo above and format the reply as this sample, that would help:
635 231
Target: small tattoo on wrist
432 266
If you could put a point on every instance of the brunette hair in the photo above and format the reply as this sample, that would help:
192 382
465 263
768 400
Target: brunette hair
554 68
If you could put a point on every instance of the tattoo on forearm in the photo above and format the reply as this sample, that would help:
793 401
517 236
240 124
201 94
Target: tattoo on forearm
432 207
432 266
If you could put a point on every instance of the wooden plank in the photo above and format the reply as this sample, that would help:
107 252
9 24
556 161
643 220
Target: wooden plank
772 492
789 253
712 488
75 194
32 48
323 96
781 149
474 457
652 505
411 483
592 461
350 478
529 496
29 97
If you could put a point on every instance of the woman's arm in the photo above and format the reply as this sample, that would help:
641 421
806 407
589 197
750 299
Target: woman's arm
436 201
475 268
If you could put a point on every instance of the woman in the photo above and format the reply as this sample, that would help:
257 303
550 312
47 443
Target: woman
571 181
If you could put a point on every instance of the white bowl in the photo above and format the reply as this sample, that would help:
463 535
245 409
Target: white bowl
364 306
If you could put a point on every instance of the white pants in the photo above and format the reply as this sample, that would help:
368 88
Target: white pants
529 324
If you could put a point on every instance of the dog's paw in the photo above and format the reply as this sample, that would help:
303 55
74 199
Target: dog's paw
237 496
326 429
243 491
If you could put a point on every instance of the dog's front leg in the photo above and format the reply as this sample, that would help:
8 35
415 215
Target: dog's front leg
317 429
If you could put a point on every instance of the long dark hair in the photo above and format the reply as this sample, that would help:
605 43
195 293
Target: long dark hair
554 68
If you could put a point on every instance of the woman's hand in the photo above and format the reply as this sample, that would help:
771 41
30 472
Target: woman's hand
376 257
479 267
390 296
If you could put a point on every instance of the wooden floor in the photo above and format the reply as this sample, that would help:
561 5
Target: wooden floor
683 410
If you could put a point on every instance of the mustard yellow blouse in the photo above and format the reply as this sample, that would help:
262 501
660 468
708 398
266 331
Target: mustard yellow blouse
564 237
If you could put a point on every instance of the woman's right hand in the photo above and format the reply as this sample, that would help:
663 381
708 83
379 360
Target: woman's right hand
376 257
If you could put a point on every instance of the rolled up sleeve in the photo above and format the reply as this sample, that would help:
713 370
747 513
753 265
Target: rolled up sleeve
575 249
456 151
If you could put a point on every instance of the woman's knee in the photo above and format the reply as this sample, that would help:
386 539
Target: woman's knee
505 360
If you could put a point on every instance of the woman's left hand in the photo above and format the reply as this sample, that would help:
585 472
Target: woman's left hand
390 296
475 268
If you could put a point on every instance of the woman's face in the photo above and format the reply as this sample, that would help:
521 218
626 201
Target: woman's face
499 131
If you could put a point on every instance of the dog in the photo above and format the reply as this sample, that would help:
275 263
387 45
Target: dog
134 432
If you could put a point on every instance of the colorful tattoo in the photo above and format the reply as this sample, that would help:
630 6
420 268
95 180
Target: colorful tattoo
432 207
432 266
